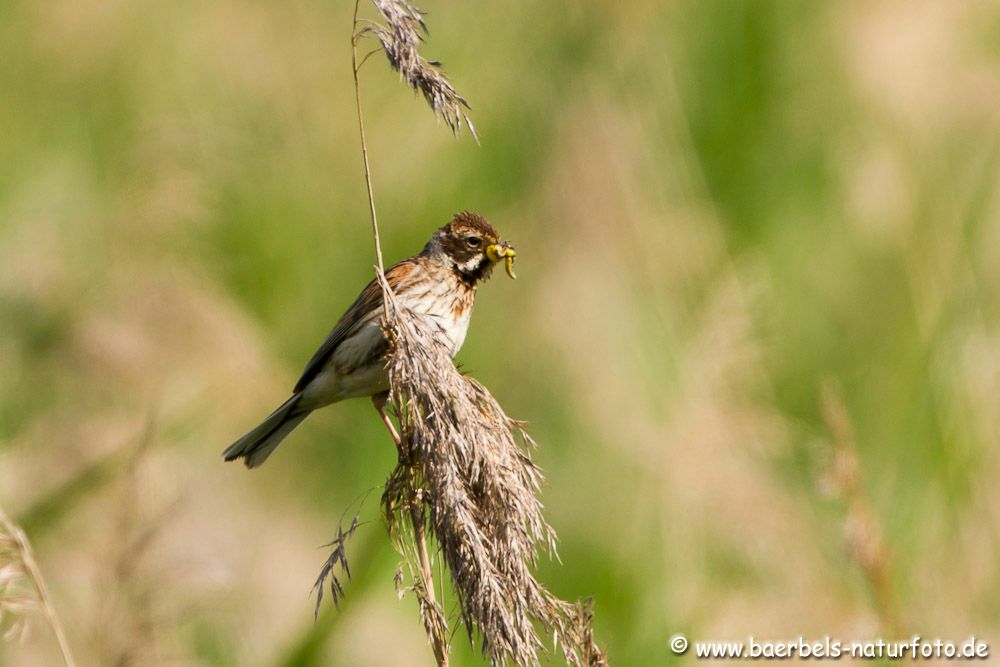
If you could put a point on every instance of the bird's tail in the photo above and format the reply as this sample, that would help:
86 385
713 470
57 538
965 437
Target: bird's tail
257 445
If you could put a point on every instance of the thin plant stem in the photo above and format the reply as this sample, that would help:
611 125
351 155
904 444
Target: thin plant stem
426 571
405 454
355 68
35 574
416 514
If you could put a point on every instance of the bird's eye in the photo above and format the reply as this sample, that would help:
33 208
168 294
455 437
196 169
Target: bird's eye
474 241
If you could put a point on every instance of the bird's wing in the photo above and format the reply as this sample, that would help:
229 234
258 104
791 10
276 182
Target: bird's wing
367 305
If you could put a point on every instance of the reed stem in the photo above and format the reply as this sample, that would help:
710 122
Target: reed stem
439 646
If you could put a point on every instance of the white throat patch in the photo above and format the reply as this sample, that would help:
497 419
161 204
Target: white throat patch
471 265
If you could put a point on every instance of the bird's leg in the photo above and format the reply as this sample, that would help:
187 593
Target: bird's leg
379 401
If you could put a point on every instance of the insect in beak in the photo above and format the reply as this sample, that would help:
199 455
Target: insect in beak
503 251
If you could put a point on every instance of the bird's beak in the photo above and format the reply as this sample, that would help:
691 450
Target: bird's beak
504 251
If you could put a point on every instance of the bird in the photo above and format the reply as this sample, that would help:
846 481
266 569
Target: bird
438 286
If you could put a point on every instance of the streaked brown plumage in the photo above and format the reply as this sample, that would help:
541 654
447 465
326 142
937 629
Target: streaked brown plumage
438 285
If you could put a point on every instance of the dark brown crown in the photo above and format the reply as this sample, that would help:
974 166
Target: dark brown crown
469 221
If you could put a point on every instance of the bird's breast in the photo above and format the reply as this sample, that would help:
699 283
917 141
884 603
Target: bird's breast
445 303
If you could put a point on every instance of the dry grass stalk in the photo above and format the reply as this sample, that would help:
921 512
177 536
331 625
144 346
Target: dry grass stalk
22 587
431 613
480 488
460 470
401 35
862 532
410 540
337 558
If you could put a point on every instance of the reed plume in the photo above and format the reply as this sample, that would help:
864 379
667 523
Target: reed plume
22 587
401 34
336 559
460 474
463 465
862 531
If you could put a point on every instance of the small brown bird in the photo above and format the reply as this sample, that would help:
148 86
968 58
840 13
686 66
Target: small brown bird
438 285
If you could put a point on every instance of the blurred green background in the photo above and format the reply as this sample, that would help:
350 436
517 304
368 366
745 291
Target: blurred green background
718 206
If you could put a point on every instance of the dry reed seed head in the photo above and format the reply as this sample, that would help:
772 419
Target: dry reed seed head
9 573
401 37
863 540
481 488
432 616
863 537
337 557
18 598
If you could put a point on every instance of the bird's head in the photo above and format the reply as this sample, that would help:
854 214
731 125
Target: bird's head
471 246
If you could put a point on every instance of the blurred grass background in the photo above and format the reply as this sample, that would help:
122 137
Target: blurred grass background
717 207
